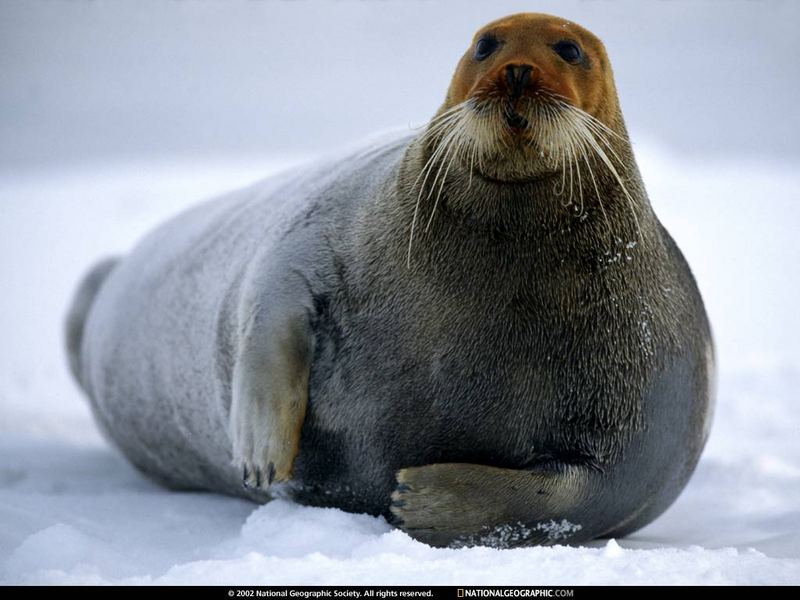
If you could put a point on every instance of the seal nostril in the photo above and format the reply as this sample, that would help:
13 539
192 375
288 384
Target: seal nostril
511 77
517 77
524 75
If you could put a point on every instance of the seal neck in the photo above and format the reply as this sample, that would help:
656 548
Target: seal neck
600 214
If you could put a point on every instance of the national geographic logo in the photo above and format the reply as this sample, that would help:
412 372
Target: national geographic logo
514 593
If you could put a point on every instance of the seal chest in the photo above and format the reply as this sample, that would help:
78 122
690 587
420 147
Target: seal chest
482 332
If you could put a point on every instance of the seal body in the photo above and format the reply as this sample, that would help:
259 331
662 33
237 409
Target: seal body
472 356
159 346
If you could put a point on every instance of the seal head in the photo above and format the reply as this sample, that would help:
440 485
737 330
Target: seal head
523 94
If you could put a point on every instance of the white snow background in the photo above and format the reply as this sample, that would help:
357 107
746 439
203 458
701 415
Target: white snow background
115 115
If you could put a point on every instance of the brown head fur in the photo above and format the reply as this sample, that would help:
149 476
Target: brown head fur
522 92
530 39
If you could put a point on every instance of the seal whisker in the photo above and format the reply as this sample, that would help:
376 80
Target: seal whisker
447 159
440 133
474 149
444 115
431 159
453 121
607 161
598 129
566 147
471 148
562 159
439 117
442 155
499 133
427 169
475 141
578 173
576 141
598 134
556 150
570 159
597 191
594 120
437 128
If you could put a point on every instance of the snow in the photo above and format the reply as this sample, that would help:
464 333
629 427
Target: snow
219 94
73 511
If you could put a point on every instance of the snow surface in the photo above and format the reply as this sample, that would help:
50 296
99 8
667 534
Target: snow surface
73 511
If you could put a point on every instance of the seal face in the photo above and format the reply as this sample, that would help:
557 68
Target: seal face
533 80
482 333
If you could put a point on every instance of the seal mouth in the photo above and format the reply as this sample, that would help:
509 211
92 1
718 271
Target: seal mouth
519 181
516 121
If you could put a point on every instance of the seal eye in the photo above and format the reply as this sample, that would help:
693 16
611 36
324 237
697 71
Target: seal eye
569 51
485 46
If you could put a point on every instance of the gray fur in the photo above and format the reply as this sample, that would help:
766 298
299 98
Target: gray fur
548 379
81 304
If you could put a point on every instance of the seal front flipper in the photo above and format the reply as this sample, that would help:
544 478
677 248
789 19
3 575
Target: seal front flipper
459 504
270 375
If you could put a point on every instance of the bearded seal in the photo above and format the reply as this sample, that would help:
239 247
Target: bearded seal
481 332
